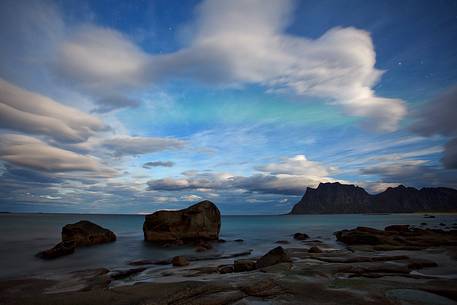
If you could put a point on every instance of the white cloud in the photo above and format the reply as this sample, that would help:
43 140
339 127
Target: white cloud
297 165
276 178
34 113
191 197
243 42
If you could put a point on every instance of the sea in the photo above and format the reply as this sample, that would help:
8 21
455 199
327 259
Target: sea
23 235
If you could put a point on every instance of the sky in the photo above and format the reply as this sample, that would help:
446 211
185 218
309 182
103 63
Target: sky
134 106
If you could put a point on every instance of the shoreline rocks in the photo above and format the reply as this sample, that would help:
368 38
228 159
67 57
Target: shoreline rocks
199 222
397 237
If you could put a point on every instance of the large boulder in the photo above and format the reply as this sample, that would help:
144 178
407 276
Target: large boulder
86 233
201 221
273 257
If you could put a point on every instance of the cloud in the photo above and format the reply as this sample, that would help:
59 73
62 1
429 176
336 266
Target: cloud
297 165
101 59
191 197
438 117
127 145
450 154
158 163
110 103
30 112
417 173
276 178
34 154
237 43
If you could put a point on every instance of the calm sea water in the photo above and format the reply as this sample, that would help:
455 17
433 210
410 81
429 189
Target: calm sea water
23 235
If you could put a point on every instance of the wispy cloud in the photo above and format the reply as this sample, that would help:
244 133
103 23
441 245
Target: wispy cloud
34 113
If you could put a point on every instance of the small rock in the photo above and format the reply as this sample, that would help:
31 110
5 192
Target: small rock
423 223
225 269
282 242
241 265
314 249
300 236
273 257
442 224
239 240
220 240
179 261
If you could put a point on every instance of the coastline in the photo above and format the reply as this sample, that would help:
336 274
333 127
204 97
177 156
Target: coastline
346 275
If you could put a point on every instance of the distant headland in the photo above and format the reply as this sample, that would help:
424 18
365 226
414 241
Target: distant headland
337 198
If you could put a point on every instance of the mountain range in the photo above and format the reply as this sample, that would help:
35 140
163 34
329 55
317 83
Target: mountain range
337 198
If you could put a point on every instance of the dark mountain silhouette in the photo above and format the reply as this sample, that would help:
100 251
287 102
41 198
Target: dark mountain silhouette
337 198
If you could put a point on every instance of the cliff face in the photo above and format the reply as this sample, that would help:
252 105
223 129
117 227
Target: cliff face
336 198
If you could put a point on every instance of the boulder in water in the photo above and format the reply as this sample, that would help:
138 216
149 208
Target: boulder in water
201 221
82 233
86 233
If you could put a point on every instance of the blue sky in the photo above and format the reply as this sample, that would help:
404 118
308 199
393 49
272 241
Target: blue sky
134 106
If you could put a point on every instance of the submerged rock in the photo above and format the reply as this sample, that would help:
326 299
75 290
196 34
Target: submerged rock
201 221
273 257
61 249
86 233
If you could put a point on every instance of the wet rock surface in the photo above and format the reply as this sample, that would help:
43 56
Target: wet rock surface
357 274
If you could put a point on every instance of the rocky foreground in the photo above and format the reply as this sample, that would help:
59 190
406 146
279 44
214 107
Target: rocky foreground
398 265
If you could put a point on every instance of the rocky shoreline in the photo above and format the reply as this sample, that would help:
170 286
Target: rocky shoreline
311 274
399 265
